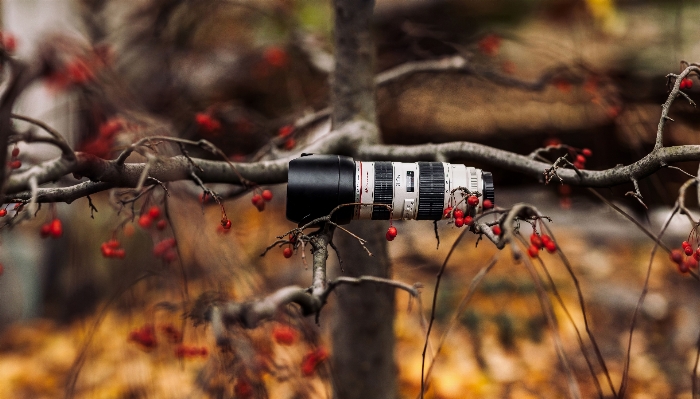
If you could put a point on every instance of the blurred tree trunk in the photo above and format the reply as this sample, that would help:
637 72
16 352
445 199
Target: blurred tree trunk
363 329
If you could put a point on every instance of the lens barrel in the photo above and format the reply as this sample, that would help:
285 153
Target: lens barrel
418 190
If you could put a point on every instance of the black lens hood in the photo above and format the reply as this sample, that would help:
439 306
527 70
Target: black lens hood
317 184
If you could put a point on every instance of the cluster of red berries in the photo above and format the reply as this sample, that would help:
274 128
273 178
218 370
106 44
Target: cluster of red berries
145 337
284 335
190 351
538 242
14 162
166 249
259 200
285 132
686 83
77 70
101 146
207 123
312 359
580 161
391 233
462 219
54 229
691 259
110 249
147 219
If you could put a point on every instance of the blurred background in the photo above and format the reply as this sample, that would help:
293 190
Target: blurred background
587 73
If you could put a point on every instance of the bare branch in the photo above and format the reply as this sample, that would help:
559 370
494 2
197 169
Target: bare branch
57 138
60 194
646 166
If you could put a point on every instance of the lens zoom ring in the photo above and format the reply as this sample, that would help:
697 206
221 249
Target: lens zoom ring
431 190
383 189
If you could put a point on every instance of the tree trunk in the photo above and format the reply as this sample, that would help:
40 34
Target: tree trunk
363 327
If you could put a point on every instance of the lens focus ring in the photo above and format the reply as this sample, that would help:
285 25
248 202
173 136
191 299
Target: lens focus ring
383 189
431 190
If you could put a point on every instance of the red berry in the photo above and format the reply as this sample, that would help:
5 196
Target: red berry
677 256
447 211
16 164
473 200
257 198
226 223
488 204
45 230
154 212
389 237
267 195
110 127
119 253
551 247
580 159
18 206
586 152
169 256
261 206
289 144
392 232
3 212
9 42
682 85
696 255
688 250
284 335
536 240
106 250
685 244
496 230
161 224
288 252
286 131
579 165
687 264
56 228
243 389
459 222
276 57
207 123
458 214
468 220
533 251
78 72
113 243
545 239
145 221
15 152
